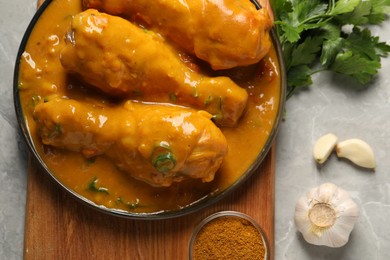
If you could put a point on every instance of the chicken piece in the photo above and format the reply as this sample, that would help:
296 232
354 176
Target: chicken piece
124 60
225 33
158 144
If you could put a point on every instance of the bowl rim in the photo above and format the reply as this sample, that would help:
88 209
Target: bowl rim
228 213
197 205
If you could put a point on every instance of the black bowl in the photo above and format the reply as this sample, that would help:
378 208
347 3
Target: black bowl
195 206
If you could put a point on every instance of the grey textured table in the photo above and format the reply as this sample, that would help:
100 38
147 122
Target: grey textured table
330 105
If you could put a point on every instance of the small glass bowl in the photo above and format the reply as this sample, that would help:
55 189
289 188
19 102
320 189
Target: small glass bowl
230 214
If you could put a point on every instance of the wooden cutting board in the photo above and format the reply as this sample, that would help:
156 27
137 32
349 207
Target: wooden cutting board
59 227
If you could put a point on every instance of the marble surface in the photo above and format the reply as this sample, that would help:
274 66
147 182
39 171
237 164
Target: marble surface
330 105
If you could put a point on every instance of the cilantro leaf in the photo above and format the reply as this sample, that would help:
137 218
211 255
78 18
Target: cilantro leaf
298 77
287 50
282 6
313 35
330 48
291 33
359 15
344 6
354 65
367 12
382 49
306 52
380 8
330 31
305 10
361 42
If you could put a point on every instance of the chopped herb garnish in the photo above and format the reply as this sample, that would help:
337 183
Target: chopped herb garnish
196 94
164 162
92 186
216 116
162 158
130 205
172 97
220 103
57 129
219 115
90 161
208 100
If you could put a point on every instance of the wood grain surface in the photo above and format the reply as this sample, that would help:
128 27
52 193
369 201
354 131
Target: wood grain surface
59 227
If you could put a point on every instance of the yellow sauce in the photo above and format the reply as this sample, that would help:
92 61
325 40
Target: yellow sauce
42 75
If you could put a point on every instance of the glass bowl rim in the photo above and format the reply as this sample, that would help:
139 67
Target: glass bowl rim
228 213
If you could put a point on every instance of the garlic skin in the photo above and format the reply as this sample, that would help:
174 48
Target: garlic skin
357 151
326 215
323 147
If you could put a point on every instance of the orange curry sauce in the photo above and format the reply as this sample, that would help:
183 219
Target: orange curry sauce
42 75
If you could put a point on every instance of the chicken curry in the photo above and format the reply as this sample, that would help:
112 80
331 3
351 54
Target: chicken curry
129 119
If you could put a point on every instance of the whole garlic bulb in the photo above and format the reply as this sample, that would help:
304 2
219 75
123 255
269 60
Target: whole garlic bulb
326 215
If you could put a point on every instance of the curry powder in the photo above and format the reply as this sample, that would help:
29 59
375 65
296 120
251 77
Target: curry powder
228 237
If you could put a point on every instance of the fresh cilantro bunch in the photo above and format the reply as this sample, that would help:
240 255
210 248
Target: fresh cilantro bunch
319 35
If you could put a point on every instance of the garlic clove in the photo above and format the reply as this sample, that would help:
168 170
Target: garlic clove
323 147
326 215
357 151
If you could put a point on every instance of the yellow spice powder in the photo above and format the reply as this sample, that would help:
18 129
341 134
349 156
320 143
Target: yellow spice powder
228 237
